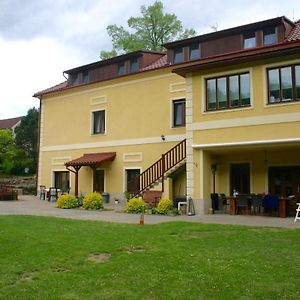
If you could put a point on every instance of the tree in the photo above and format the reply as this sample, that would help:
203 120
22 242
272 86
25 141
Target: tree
7 150
151 30
27 136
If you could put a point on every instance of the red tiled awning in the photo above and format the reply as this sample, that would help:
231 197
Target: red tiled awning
91 159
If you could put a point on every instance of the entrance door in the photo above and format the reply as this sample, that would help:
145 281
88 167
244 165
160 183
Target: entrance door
284 181
131 184
240 178
99 181
62 181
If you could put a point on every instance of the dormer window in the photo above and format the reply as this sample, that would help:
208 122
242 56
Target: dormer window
249 40
74 79
85 76
121 68
178 55
270 36
194 51
134 66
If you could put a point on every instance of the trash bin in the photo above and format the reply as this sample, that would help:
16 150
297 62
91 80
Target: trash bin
105 197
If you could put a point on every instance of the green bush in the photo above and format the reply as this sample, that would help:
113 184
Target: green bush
67 201
135 205
164 206
92 201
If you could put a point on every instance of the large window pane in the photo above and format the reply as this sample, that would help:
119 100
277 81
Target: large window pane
134 67
274 86
211 94
249 40
286 83
99 121
270 36
234 90
297 81
194 51
179 113
178 55
245 89
221 92
121 68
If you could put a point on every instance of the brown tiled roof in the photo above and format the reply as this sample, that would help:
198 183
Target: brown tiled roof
9 123
157 64
91 159
294 34
56 88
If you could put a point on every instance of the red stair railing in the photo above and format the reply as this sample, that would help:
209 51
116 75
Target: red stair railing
157 171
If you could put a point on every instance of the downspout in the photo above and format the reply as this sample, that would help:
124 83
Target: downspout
38 147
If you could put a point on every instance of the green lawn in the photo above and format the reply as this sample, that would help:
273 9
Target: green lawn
49 258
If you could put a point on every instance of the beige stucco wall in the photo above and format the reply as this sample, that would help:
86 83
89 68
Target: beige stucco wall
217 136
138 111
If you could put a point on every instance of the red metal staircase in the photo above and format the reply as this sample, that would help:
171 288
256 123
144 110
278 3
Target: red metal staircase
159 169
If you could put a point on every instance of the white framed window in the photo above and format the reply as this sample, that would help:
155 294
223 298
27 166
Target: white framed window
98 121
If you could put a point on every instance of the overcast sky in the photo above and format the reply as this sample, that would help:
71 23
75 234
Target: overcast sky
39 39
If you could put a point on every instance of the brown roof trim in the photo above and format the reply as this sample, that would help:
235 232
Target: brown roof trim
57 88
113 60
241 56
230 31
91 159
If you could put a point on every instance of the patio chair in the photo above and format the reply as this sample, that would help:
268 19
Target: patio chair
214 201
225 203
42 192
271 204
297 213
256 203
52 194
242 203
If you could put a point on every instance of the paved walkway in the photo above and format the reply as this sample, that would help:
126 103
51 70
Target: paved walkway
30 205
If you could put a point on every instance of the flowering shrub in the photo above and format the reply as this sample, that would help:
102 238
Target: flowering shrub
67 201
135 205
164 206
92 201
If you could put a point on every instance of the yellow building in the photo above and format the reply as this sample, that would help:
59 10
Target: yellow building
109 122
234 95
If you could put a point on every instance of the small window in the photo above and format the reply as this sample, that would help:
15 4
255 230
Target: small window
121 68
74 79
249 40
228 92
194 51
85 76
134 66
99 122
284 84
270 36
178 55
179 113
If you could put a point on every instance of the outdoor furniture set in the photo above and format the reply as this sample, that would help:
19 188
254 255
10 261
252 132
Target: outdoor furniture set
8 193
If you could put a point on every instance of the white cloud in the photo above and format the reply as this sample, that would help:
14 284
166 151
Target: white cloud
40 39
28 67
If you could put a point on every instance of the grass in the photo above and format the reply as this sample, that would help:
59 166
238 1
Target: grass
51 258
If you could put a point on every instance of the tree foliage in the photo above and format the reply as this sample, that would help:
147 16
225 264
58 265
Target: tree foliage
20 152
150 31
27 134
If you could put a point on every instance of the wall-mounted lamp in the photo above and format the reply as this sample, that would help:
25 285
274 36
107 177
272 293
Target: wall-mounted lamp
213 168
163 137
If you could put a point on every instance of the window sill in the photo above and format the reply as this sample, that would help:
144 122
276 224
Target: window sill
232 109
281 103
